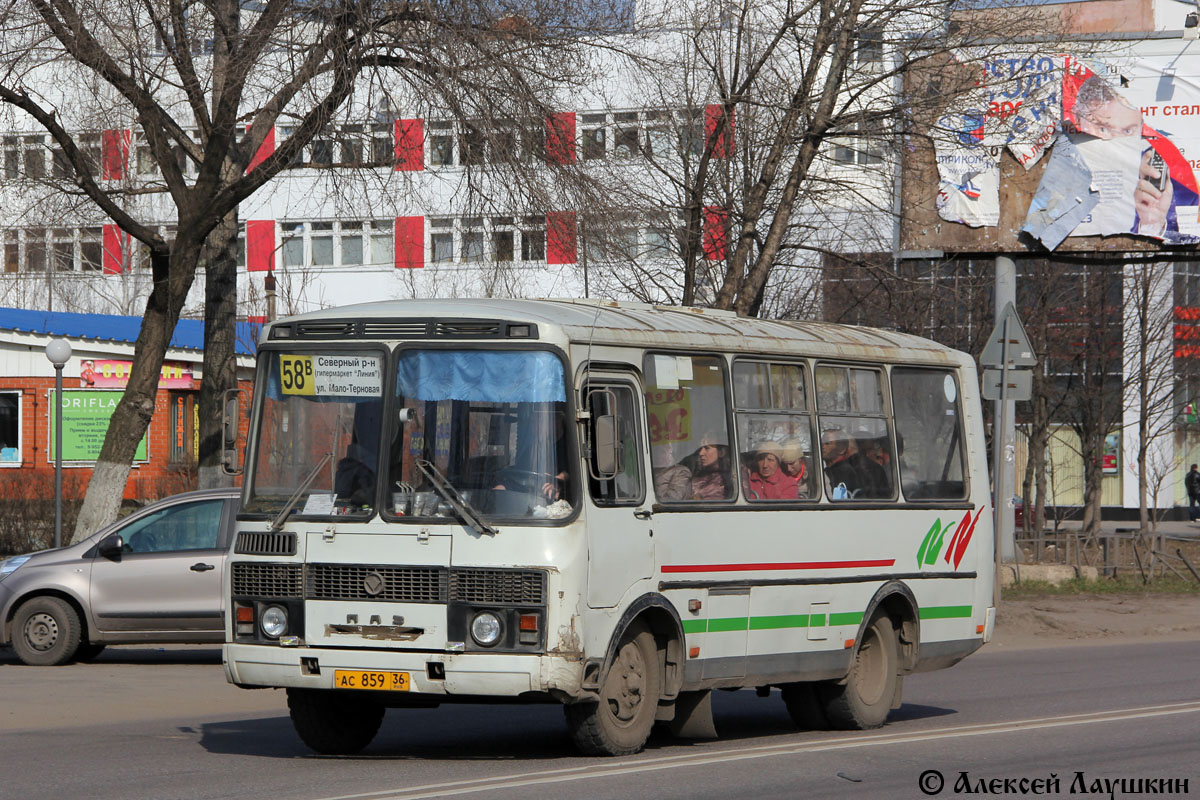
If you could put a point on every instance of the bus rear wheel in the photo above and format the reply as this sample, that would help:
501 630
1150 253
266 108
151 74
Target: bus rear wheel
333 724
864 698
620 723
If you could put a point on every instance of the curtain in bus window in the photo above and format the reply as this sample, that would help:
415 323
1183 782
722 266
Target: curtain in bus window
481 376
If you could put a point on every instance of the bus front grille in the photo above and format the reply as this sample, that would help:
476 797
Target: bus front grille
276 543
267 580
508 586
370 582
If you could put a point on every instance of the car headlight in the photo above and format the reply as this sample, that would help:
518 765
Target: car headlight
9 565
486 628
274 622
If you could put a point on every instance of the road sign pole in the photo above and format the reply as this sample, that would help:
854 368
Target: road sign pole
1003 435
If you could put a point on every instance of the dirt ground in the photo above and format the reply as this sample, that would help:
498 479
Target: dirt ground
1055 620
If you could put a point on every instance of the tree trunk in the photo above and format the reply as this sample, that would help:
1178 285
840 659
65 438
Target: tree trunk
220 346
173 274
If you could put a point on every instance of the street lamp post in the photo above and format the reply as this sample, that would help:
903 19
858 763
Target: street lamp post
59 353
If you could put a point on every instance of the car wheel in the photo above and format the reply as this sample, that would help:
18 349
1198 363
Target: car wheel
864 698
46 632
620 722
331 723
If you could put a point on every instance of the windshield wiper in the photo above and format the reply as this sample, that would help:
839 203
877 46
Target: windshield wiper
456 500
277 523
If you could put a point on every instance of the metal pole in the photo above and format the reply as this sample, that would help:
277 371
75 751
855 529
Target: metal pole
1004 438
58 368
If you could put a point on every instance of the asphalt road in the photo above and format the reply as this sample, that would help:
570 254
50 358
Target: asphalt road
151 723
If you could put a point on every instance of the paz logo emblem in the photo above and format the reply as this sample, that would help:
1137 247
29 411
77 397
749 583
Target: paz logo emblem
373 584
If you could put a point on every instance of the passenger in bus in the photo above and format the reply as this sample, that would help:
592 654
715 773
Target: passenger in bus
710 473
671 481
767 480
794 465
875 480
842 481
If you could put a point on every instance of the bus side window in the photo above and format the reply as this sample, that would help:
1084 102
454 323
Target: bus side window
928 434
626 487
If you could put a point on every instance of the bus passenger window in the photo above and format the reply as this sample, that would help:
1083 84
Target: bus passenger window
855 436
929 442
774 431
686 417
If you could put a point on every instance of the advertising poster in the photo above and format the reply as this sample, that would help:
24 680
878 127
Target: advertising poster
1123 133
85 418
107 373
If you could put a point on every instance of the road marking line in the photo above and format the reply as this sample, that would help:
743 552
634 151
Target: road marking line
626 767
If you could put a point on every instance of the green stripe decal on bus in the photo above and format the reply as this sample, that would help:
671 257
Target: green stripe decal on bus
782 621
847 618
728 624
945 612
695 625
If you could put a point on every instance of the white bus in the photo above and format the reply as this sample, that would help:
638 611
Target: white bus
611 506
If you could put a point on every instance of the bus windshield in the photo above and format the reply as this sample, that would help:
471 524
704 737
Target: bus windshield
319 433
493 423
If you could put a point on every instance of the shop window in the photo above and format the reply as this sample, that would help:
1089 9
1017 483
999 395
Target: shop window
183 429
10 428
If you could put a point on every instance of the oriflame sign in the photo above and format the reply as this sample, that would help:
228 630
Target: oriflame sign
111 374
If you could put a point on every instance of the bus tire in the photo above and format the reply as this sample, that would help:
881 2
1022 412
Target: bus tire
863 698
46 632
333 724
620 723
804 706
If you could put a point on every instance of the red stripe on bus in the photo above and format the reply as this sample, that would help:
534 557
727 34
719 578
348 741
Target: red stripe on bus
783 566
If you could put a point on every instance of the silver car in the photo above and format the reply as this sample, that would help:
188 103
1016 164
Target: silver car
154 576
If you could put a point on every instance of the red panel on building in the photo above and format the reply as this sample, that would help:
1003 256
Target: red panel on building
114 155
560 138
723 143
266 149
560 238
410 242
115 242
260 245
410 144
716 233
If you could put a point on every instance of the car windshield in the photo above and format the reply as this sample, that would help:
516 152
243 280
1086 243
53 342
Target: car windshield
493 423
318 434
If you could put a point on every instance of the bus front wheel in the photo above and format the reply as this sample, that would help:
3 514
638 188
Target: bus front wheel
333 724
620 723
864 698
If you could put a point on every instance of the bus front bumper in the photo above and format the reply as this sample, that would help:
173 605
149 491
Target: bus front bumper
460 674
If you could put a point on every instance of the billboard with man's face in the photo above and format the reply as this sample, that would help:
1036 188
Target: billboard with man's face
1055 147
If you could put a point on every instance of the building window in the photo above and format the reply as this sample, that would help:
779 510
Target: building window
383 148
64 250
441 240
351 244
533 141
322 152
91 249
502 245
533 239
383 242
627 137
868 51
12 157
35 158
594 140
441 144
472 146
350 145
10 428
857 149
293 244
35 250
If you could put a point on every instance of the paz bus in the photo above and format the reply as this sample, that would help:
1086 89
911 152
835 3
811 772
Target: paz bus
615 507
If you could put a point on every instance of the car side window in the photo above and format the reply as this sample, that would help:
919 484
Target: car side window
187 526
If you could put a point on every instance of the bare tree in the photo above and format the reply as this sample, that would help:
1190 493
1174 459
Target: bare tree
231 72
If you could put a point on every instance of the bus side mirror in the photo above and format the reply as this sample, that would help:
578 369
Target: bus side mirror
230 417
606 444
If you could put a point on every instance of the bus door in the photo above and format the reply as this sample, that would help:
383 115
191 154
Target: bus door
620 551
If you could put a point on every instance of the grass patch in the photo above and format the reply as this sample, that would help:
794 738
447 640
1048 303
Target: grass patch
1122 584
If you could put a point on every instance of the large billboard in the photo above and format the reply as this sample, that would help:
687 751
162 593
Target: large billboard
1052 147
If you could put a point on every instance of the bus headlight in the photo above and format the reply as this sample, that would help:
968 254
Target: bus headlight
274 621
486 628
